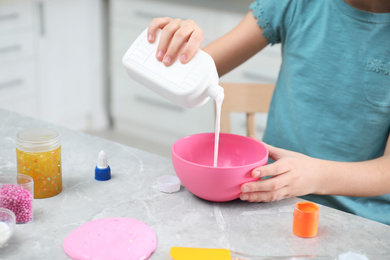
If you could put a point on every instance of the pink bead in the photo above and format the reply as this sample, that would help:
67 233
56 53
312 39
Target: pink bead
18 200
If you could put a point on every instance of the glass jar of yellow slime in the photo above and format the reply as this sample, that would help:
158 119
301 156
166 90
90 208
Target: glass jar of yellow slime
38 154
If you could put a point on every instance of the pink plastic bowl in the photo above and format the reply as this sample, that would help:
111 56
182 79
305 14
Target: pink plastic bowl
193 159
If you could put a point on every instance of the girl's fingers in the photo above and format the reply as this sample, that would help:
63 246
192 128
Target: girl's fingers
169 43
156 24
273 169
265 196
281 165
194 43
177 36
270 184
181 33
276 153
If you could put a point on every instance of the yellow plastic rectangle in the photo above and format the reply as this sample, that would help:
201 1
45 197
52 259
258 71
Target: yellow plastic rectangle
191 253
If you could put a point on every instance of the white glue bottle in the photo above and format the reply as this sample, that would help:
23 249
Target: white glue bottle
187 85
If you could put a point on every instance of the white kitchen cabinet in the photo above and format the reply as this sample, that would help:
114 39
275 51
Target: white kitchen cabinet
18 88
51 61
140 112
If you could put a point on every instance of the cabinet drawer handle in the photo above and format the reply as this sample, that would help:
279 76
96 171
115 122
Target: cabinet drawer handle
8 17
149 16
157 103
11 83
41 18
11 48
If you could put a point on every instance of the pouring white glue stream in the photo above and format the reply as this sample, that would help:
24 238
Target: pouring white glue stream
187 85
218 106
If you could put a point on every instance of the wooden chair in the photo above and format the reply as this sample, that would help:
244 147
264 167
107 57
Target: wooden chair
247 98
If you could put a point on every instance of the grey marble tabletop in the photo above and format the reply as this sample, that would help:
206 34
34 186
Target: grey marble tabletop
179 219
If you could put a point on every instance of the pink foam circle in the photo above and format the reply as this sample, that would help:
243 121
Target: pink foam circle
111 238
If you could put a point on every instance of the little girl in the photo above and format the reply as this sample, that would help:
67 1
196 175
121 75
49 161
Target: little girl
329 120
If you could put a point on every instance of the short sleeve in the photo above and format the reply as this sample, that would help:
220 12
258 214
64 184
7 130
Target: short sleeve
275 17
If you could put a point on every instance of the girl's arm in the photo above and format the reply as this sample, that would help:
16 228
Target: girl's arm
363 179
296 174
238 45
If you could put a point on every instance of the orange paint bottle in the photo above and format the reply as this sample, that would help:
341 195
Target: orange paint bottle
305 223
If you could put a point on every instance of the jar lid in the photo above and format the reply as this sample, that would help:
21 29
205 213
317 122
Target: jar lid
38 140
168 184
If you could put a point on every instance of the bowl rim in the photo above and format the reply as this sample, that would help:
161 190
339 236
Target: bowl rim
263 160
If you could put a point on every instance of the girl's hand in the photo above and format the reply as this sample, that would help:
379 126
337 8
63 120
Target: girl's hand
292 174
178 36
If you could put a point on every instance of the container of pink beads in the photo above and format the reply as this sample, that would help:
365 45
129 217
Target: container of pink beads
16 194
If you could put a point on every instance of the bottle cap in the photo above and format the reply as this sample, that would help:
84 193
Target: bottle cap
102 170
305 223
168 183
102 174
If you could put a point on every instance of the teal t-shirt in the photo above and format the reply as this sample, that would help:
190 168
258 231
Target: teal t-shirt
332 97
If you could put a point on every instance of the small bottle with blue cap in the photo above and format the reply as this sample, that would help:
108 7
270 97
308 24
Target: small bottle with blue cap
102 170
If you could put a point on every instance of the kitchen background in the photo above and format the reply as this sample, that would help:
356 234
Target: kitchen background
60 61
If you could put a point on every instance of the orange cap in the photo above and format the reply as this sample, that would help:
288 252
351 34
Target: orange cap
305 223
